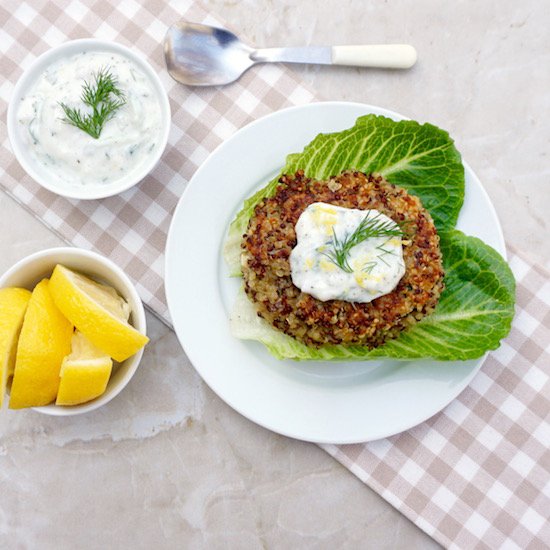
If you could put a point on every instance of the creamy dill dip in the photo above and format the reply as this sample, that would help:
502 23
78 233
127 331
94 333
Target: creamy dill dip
127 140
327 263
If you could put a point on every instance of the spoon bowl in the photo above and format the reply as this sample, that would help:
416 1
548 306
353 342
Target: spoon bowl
201 55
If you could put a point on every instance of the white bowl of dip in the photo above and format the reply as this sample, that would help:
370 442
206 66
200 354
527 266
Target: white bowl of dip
65 159
29 271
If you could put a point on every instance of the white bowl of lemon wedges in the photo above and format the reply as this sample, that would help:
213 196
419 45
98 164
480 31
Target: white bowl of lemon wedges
72 332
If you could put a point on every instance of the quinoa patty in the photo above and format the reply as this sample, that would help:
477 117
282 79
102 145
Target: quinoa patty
271 236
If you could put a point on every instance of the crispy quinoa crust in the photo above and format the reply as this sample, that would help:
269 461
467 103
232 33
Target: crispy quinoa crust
270 238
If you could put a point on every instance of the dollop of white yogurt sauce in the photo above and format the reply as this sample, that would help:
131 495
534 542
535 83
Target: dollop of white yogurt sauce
377 263
127 140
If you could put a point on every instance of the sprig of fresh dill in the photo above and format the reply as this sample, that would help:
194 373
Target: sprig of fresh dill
371 226
99 97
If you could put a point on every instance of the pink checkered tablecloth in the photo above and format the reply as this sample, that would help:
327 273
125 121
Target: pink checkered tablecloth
475 475
131 228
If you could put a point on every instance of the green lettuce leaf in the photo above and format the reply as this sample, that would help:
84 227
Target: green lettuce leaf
473 314
419 157
476 308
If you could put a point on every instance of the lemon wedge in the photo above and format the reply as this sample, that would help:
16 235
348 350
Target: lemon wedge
84 373
44 341
13 304
97 311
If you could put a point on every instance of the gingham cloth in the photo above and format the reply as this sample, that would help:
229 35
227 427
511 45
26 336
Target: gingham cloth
131 228
475 475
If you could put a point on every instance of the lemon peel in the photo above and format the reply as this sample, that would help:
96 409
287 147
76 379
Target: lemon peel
84 372
44 341
97 311
13 305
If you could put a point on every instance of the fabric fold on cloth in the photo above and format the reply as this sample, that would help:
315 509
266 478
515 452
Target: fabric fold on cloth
476 474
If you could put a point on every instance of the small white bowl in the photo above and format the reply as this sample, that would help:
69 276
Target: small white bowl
21 148
31 270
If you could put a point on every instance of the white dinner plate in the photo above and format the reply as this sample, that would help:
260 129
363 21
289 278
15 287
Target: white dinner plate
329 402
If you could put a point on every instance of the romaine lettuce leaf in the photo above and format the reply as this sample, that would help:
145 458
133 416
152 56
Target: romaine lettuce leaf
476 308
419 157
473 314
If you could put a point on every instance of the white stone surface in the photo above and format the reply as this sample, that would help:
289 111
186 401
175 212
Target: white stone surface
167 464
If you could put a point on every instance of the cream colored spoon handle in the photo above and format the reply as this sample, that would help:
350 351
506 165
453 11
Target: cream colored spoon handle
388 56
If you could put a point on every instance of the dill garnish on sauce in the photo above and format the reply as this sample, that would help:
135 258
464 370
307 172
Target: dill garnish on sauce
371 227
103 96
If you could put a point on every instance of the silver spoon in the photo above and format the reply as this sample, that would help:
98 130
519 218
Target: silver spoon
200 55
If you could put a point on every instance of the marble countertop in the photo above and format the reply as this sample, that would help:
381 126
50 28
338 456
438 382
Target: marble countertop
167 463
